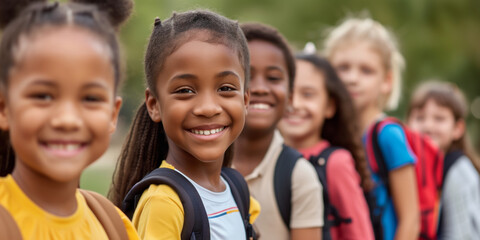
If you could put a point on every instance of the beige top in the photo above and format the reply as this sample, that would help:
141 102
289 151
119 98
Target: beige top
307 203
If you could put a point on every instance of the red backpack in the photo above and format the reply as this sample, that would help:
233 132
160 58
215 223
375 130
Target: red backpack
428 169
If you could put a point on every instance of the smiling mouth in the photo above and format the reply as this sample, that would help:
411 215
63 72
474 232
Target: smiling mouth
63 149
260 106
207 132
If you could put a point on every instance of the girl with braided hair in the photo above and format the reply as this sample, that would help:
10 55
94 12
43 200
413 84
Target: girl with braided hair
197 73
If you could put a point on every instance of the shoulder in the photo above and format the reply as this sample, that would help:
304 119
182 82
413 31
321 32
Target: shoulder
159 213
159 195
303 171
390 129
461 172
340 162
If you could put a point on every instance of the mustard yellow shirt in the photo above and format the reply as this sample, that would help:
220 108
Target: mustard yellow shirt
159 213
35 223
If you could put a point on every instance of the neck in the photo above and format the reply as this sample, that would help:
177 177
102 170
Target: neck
205 174
57 198
303 142
250 149
368 116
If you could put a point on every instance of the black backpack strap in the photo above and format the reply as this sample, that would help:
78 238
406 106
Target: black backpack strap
319 162
282 181
241 194
379 159
195 225
450 159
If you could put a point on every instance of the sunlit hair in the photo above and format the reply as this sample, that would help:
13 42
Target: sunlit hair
450 96
354 30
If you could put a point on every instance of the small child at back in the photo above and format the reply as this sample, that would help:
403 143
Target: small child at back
197 72
60 70
366 58
440 110
319 125
291 199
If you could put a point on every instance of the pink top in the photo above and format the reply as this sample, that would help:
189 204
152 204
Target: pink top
345 193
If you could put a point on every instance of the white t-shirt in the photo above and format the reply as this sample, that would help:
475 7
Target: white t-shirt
223 214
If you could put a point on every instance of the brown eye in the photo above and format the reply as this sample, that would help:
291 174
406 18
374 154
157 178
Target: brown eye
185 91
45 97
226 89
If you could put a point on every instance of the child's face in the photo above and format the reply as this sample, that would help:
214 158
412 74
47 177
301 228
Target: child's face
311 106
438 122
60 108
201 100
268 86
361 69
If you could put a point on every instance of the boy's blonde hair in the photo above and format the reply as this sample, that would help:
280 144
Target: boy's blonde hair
366 29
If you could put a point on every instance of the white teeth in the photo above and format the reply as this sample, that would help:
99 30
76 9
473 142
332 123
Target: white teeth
66 147
207 132
261 106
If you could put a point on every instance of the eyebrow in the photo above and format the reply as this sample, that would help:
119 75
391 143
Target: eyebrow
192 76
43 82
275 68
227 73
95 84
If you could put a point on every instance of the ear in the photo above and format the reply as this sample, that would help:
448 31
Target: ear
387 85
153 106
331 108
116 111
3 113
246 100
458 129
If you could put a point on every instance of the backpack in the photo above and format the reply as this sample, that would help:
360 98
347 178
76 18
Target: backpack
320 163
282 181
428 170
103 209
195 225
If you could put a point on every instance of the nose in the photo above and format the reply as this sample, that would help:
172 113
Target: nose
67 117
297 101
428 126
207 105
350 76
258 86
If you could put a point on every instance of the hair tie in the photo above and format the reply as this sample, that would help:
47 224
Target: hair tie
157 22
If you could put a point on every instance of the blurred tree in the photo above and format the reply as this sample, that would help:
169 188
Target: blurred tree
439 38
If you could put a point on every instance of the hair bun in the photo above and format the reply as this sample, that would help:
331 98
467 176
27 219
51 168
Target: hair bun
9 9
117 11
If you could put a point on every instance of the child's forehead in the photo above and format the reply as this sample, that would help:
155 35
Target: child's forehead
55 38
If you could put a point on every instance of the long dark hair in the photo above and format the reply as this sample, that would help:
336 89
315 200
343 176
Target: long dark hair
341 130
146 144
24 18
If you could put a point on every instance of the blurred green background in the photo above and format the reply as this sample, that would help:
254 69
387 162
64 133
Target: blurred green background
439 39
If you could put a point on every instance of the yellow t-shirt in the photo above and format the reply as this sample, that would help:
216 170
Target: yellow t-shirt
36 223
159 213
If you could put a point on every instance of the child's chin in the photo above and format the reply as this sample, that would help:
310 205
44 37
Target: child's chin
65 175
